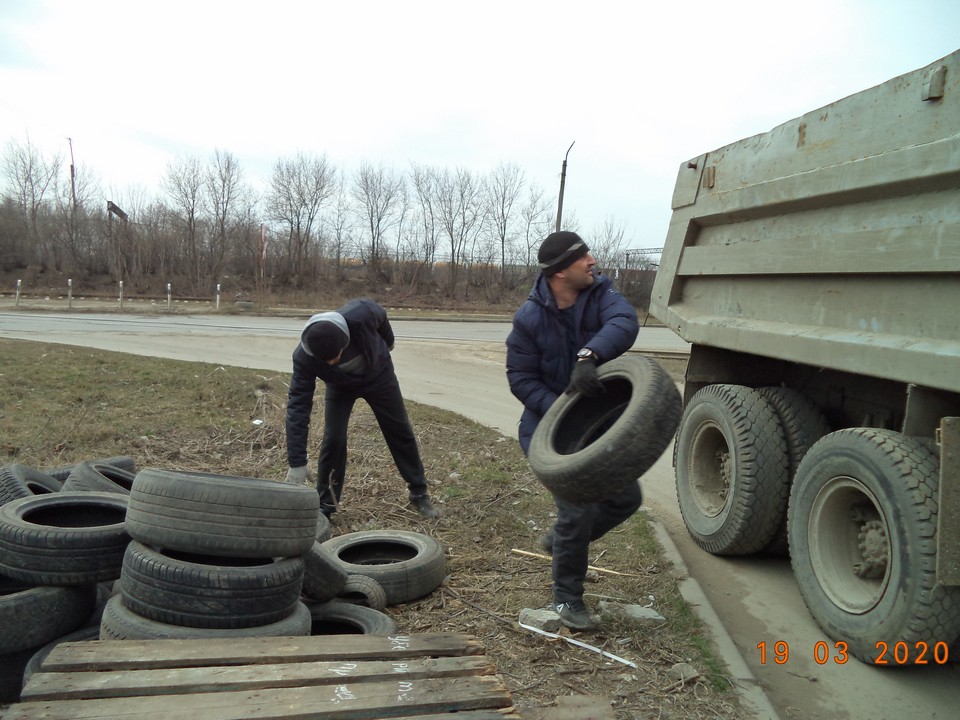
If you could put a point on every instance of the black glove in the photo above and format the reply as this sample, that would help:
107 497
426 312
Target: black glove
584 379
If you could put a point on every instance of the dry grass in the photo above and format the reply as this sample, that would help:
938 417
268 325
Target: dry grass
63 404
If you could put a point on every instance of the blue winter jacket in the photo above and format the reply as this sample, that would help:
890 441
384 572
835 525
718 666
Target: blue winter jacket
539 360
372 334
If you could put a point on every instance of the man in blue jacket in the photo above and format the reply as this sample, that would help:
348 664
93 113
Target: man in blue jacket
349 350
572 321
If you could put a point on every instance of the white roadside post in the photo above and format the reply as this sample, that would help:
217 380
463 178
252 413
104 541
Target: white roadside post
168 296
69 293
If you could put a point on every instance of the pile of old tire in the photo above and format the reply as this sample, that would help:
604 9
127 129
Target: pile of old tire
212 556
58 551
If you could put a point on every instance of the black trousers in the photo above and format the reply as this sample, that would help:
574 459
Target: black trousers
579 525
383 396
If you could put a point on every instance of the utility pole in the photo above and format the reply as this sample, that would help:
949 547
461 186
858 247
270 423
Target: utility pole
563 179
73 177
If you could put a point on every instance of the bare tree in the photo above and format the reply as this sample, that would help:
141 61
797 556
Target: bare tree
607 244
460 207
503 189
184 183
229 205
31 177
378 193
537 219
298 189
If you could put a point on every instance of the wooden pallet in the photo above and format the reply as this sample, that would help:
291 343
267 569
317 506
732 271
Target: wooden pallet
341 677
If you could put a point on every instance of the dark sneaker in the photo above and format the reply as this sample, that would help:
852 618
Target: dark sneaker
575 615
422 504
546 543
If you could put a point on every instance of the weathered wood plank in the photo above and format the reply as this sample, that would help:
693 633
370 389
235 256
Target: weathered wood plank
346 701
144 654
174 681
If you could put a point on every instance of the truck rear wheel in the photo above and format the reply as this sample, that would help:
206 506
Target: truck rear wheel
731 468
862 527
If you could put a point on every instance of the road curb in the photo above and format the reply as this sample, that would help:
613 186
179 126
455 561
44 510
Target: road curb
746 684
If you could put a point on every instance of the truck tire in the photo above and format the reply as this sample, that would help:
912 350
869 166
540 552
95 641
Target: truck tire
863 525
222 514
803 424
731 470
99 477
408 565
340 618
63 538
586 449
120 623
207 591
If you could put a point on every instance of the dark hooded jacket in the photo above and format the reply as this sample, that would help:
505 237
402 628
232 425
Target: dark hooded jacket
541 355
371 335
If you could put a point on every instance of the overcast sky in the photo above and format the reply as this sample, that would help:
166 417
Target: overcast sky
639 86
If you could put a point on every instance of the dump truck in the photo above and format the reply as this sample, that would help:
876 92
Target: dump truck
815 271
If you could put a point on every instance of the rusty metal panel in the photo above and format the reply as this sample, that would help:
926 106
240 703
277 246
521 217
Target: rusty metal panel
948 519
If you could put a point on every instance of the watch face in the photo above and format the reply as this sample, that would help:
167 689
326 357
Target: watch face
584 353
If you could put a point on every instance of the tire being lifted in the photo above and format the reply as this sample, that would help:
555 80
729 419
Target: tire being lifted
862 527
586 449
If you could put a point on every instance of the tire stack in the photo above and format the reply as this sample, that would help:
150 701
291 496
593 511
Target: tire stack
59 554
212 556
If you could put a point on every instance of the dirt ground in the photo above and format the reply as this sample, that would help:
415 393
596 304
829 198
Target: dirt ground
491 503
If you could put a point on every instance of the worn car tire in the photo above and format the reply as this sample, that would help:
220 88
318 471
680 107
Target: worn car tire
363 590
17 481
124 462
33 616
803 424
863 542
65 538
408 565
120 623
196 590
323 575
222 514
86 633
731 470
586 449
99 477
340 618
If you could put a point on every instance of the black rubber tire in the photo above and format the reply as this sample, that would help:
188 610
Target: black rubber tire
221 514
408 565
84 634
208 591
99 477
586 449
323 576
63 538
803 424
340 618
363 590
34 616
120 623
324 528
851 480
17 481
731 470
124 462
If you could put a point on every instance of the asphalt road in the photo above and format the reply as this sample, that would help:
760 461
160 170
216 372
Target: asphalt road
460 367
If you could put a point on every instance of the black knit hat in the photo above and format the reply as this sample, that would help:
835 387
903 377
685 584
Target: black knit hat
560 250
325 340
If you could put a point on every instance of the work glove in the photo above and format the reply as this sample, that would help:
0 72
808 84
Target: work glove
300 476
584 379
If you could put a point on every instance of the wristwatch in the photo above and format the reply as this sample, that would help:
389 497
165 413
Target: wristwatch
585 354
